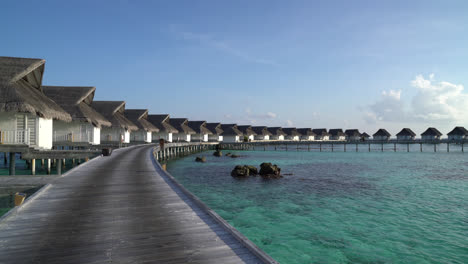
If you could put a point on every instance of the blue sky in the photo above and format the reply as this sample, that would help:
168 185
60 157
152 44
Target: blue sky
335 64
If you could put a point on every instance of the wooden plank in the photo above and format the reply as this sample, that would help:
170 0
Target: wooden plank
124 214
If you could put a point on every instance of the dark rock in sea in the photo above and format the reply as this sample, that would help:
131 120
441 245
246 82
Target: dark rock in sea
218 153
270 171
234 156
240 171
228 154
200 159
252 170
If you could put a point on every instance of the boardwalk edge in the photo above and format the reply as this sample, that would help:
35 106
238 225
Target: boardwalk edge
262 255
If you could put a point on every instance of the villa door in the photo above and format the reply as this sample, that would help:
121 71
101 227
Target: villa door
31 126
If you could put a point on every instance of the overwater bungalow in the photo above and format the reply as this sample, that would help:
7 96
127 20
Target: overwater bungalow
406 134
337 134
26 113
292 133
321 134
86 124
352 135
431 134
306 134
145 131
216 132
185 132
202 133
458 133
247 132
262 133
230 133
277 133
381 134
365 136
166 130
121 127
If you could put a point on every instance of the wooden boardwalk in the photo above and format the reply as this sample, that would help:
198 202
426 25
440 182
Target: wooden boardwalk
116 209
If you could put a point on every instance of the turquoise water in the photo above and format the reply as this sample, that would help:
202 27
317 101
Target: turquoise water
342 207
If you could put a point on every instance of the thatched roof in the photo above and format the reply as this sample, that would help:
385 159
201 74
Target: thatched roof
365 135
321 132
381 132
261 130
199 127
77 102
458 131
162 122
246 130
336 132
432 131
215 128
181 125
276 131
139 118
406 132
230 130
114 112
306 131
352 133
291 131
21 92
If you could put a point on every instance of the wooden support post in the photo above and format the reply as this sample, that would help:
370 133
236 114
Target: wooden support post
382 147
33 167
320 147
5 159
275 146
59 168
332 146
407 147
264 148
344 147
308 147
356 147
369 147
12 163
286 147
394 147
462 148
48 166
420 146
297 147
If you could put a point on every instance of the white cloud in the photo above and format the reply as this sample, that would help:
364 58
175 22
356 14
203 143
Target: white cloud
433 101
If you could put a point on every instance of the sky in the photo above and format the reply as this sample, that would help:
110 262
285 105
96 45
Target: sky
333 64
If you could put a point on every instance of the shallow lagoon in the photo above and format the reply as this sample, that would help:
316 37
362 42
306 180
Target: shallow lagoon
342 207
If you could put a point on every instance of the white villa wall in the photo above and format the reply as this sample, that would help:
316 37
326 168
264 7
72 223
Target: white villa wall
76 131
429 137
381 138
307 137
214 138
199 137
44 133
456 137
96 136
109 134
405 137
231 139
162 135
293 138
338 137
262 137
182 137
251 137
43 128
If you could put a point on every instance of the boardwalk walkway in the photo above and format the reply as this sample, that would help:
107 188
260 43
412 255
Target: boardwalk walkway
116 209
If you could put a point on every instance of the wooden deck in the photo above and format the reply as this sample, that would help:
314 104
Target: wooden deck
116 209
